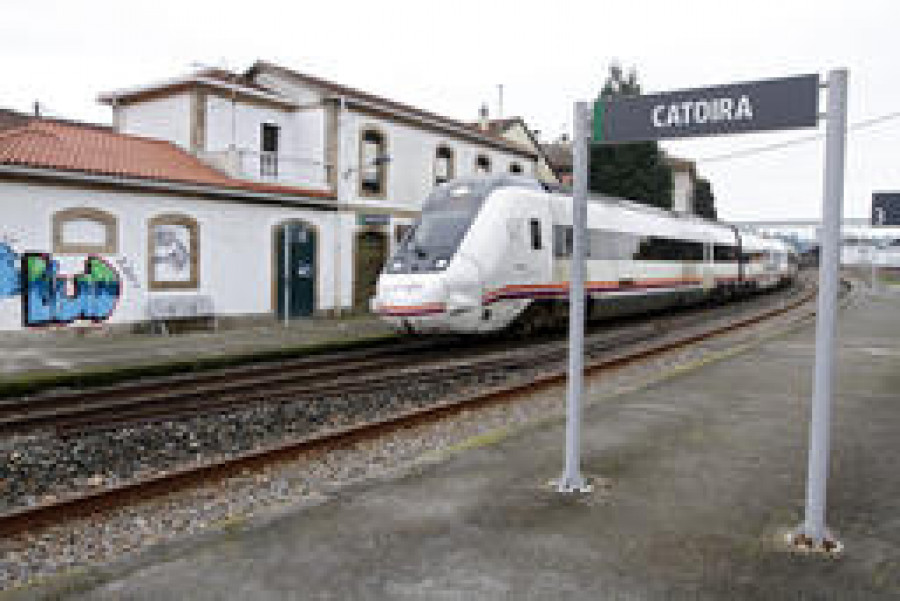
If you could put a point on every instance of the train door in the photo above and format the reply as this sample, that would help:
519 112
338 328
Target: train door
709 274
295 269
368 261
524 251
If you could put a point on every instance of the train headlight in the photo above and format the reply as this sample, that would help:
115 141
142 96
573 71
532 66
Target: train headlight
440 264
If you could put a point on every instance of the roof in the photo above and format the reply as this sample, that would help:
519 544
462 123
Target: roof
83 149
210 79
559 155
10 119
684 165
471 131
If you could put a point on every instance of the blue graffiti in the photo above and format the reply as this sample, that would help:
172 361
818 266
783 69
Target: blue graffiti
10 280
50 298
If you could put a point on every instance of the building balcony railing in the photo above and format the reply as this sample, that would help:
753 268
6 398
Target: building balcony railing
272 167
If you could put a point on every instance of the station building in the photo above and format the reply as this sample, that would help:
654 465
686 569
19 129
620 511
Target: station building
243 197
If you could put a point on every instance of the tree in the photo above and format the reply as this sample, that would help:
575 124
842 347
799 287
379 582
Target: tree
704 199
633 171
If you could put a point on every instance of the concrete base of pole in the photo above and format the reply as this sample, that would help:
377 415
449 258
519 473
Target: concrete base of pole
799 540
570 485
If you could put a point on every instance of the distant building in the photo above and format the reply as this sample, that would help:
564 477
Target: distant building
684 183
559 157
516 130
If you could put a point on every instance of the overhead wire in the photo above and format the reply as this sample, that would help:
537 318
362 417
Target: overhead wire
738 154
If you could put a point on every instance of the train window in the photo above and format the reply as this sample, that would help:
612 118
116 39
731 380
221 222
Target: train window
723 253
535 226
654 248
562 241
515 168
482 164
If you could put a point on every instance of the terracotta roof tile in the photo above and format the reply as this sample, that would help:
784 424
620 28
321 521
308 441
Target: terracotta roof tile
53 145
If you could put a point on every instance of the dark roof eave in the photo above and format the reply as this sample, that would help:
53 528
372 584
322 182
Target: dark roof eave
315 199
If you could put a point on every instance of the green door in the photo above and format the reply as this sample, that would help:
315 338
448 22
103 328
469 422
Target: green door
296 273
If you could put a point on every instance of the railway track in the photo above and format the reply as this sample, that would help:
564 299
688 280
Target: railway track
604 351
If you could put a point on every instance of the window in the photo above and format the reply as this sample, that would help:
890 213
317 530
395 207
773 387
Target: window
724 253
482 164
562 241
535 227
401 231
443 165
516 168
268 157
84 231
373 163
174 253
606 245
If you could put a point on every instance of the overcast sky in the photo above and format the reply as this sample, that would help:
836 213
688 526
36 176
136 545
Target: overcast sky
449 57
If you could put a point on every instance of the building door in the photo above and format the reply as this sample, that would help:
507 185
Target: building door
371 255
295 270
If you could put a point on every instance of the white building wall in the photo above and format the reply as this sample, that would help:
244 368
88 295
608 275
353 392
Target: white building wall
236 242
166 118
411 170
682 192
301 139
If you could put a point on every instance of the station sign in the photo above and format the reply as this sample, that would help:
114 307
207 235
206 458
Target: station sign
886 209
373 219
767 105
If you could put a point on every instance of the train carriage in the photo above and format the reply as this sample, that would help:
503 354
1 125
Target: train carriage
490 253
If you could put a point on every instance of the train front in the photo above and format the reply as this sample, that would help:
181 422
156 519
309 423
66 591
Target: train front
431 285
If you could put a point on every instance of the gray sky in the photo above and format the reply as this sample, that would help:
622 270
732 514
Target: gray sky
449 56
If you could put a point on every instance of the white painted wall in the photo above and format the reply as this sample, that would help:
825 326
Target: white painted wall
301 139
235 245
682 192
166 118
411 170
517 134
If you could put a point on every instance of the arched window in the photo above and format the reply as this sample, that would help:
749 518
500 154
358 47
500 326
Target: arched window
516 168
373 161
482 164
173 253
85 231
444 169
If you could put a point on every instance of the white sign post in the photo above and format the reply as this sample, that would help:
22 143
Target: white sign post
572 480
813 532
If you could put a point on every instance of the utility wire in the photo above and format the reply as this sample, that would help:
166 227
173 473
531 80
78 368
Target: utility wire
739 154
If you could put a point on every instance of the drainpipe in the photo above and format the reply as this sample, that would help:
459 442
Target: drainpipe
340 199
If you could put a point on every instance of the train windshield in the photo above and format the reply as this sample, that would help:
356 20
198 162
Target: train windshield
447 214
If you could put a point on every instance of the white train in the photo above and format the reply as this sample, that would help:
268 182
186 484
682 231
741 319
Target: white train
492 253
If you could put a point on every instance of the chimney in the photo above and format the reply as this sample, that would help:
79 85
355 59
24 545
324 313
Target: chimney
37 108
483 117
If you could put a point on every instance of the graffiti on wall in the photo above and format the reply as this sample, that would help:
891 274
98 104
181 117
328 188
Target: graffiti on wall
50 298
10 280
129 271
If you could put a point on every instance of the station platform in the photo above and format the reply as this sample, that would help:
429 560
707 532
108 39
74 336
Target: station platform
45 356
699 476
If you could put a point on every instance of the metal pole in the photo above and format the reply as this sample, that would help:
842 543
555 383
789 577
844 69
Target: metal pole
286 231
572 480
829 267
